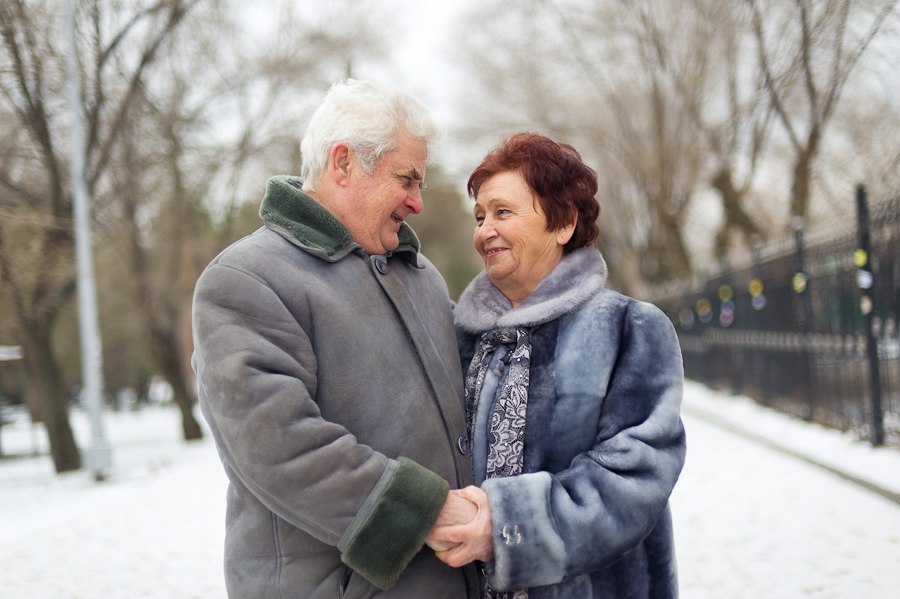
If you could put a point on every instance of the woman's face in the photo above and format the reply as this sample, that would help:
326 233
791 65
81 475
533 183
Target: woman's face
512 238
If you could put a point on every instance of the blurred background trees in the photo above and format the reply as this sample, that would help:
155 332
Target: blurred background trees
712 125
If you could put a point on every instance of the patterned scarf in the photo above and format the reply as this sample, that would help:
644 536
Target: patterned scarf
507 424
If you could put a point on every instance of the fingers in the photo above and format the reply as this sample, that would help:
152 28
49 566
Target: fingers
457 510
452 544
444 538
471 541
455 558
438 545
475 495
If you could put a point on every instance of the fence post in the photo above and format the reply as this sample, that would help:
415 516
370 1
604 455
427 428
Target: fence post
866 281
800 285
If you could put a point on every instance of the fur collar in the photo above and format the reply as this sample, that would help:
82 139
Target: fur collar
300 218
577 277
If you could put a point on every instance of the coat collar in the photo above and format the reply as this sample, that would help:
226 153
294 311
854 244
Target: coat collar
580 275
302 220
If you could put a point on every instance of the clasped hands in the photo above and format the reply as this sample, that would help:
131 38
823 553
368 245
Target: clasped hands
462 533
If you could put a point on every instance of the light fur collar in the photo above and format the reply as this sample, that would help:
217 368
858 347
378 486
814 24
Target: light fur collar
577 277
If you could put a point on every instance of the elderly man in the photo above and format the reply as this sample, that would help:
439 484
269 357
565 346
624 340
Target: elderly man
328 371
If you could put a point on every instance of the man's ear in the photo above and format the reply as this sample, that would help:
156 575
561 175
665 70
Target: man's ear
339 163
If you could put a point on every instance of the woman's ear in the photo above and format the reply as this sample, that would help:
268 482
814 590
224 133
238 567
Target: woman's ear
564 234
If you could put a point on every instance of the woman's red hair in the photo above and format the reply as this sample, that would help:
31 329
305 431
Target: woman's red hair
565 186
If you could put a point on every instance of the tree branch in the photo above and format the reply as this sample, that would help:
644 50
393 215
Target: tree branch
769 79
177 14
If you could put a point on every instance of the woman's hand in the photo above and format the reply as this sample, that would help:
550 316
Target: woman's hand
467 542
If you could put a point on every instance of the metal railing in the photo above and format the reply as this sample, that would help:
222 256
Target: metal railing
809 327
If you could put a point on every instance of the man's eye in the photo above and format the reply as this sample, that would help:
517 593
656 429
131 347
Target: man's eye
423 186
409 182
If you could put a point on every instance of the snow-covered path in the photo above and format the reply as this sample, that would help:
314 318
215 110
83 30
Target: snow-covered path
750 521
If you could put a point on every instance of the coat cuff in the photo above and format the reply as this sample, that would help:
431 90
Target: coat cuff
528 550
397 524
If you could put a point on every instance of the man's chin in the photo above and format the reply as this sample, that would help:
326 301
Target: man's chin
391 242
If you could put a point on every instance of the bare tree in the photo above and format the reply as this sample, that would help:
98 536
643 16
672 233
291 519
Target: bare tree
703 62
34 178
807 54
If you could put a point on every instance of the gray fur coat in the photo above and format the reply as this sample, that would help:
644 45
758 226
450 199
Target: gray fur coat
604 443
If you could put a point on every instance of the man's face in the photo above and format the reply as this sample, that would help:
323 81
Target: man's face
383 199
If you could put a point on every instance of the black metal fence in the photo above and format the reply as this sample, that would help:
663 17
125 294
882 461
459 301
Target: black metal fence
809 327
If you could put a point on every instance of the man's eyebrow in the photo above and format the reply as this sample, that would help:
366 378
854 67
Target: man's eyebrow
414 173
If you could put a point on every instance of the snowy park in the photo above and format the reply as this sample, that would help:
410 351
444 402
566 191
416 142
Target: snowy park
759 510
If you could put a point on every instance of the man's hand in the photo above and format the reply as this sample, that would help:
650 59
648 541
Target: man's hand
457 510
459 544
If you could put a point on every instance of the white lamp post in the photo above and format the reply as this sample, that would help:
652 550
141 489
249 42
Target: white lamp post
98 457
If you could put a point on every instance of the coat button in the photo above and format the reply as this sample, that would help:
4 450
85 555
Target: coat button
382 265
463 444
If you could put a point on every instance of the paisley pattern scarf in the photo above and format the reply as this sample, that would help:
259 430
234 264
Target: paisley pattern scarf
507 422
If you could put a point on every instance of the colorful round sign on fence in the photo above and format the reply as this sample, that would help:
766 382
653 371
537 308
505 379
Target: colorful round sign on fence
864 279
704 310
758 301
755 287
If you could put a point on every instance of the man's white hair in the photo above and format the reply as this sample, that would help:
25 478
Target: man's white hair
368 117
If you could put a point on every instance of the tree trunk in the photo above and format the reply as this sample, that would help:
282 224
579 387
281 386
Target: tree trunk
800 183
735 217
668 249
45 378
168 358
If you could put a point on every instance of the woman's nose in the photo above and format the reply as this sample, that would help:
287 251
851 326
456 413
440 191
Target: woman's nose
485 231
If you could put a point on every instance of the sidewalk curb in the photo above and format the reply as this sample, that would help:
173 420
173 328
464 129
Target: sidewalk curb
723 423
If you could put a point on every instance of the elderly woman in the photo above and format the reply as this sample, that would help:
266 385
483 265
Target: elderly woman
573 395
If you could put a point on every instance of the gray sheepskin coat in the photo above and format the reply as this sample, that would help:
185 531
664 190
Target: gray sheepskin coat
331 383
604 443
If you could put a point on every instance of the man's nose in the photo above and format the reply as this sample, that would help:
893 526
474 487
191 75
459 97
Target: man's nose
414 201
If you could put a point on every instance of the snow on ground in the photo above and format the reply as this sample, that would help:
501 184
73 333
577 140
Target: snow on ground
750 521
754 522
154 528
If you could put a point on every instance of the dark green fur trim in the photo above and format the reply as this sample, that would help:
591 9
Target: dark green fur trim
296 213
397 528
303 217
